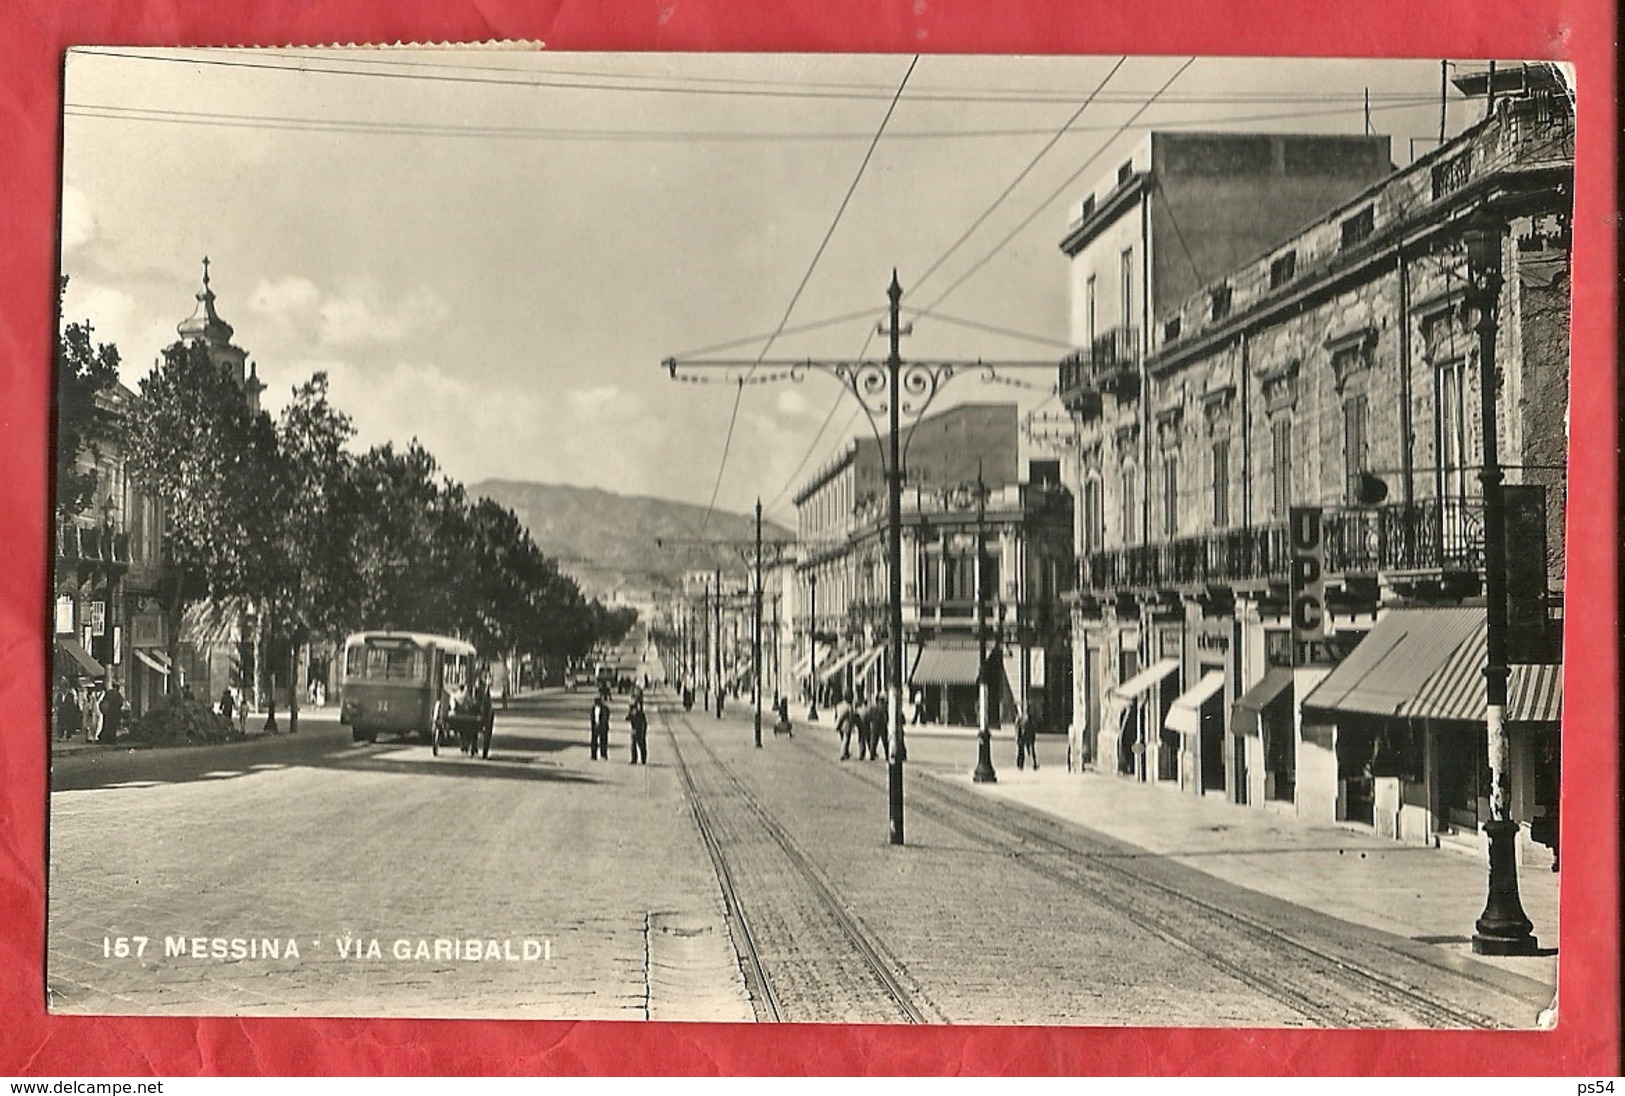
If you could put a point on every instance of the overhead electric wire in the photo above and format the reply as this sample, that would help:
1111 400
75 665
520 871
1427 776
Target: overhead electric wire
295 124
733 418
1058 191
318 66
876 91
1020 175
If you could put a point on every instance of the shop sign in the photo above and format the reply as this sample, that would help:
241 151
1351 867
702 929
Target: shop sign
97 618
1307 554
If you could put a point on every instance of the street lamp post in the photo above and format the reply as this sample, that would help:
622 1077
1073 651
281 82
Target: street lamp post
984 773
1502 929
887 390
756 635
812 644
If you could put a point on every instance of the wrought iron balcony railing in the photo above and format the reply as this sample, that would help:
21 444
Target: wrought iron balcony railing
1445 535
1110 364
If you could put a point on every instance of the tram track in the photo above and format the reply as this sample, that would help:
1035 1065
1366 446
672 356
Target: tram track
804 908
1325 987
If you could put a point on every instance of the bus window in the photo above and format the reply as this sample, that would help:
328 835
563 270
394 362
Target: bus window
377 662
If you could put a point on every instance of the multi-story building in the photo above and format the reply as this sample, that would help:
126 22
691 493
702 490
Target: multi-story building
108 575
963 499
1334 369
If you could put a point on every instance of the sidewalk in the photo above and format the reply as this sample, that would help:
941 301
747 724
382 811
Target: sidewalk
253 728
1427 895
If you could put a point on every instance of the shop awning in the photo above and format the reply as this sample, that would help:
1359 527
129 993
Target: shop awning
1186 714
154 659
862 665
941 664
834 669
1534 692
76 660
1143 680
1397 661
1250 705
802 666
1429 664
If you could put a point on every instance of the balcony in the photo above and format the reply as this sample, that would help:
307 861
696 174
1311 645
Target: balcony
94 548
1444 536
1110 364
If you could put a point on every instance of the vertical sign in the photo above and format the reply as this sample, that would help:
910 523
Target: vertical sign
1307 555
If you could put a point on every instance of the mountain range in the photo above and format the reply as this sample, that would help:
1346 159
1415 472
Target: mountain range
608 541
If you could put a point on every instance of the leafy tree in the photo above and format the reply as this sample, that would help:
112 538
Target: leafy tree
84 371
309 582
211 462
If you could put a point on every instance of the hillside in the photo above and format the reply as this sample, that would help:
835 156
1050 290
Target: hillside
607 541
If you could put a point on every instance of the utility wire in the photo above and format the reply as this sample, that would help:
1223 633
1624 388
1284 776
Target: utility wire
1058 191
296 124
314 65
1020 175
722 467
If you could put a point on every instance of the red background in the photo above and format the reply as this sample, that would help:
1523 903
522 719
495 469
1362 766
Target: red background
33 34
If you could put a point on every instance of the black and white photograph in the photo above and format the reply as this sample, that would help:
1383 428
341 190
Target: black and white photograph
817 538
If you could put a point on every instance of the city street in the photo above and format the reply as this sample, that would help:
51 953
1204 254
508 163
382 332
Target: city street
306 875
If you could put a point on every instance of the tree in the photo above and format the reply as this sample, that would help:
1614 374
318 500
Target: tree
309 582
211 463
85 371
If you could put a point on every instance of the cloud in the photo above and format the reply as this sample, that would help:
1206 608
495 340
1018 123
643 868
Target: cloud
78 221
592 399
792 403
356 316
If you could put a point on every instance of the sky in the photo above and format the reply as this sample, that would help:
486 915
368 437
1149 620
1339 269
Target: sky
494 250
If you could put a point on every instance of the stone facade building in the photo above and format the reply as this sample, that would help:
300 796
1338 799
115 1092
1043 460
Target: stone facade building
1334 369
962 490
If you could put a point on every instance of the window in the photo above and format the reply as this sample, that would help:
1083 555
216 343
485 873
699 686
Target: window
1170 495
1221 483
1452 430
1125 173
1283 269
1357 229
1094 516
1089 311
1281 467
1170 330
1354 443
1131 505
1219 303
1126 264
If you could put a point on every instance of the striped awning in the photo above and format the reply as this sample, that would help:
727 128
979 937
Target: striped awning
942 664
1388 672
1429 664
1186 713
1534 691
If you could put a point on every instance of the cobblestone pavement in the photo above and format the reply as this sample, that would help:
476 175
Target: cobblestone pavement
1095 930
384 868
580 885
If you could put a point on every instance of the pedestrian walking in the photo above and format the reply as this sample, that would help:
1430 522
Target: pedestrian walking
917 703
598 728
847 721
68 716
112 708
227 705
1026 739
640 733
879 734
